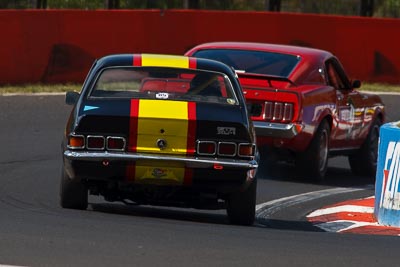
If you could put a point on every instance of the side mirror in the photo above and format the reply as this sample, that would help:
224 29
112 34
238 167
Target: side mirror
356 84
71 98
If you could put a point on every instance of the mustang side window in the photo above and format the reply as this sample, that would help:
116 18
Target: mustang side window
334 78
336 75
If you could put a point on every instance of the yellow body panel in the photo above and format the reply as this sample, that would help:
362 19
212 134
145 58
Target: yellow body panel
167 120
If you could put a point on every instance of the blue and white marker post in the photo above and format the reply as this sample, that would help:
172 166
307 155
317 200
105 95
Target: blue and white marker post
387 185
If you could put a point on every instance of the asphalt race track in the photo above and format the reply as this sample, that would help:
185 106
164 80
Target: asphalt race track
35 231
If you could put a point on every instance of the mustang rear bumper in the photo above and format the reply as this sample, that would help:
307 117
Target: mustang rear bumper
190 162
278 130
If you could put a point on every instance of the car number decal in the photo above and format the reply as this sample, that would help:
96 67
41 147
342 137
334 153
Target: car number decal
162 95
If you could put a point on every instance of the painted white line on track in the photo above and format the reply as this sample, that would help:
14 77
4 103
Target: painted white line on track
343 225
267 209
344 208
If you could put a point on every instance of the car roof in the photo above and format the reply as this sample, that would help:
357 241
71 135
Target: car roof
311 58
160 60
278 48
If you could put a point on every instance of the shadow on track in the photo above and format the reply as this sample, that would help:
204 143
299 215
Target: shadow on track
169 213
336 175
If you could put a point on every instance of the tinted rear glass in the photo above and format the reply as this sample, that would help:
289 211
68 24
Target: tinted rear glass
164 83
258 62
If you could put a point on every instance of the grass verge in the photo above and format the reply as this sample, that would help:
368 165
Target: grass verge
380 87
38 88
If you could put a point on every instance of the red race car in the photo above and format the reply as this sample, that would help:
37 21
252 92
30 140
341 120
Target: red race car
303 105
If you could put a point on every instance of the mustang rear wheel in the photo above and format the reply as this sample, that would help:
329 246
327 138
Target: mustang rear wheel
364 162
313 163
73 194
241 206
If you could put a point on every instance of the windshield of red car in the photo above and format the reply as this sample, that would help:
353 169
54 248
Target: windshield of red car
164 84
257 62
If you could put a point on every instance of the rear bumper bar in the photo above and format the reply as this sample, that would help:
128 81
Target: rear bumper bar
190 162
276 130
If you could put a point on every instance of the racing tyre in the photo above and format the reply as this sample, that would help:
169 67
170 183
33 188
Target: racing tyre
241 206
73 194
363 163
313 163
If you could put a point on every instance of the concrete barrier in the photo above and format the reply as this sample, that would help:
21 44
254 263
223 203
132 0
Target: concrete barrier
53 46
387 187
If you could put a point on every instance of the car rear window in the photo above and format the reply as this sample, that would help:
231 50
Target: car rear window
256 62
164 83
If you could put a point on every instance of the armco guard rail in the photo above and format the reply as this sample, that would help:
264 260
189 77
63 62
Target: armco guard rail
387 188
52 46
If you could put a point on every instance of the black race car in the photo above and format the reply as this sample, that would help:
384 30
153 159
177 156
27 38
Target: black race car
161 130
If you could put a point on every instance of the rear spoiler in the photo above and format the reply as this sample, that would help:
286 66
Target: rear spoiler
269 78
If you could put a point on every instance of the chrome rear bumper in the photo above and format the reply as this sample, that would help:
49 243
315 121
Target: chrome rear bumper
276 130
190 162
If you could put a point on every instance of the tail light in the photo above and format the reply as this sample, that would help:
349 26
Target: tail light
246 150
268 108
206 148
287 112
95 142
115 143
76 142
227 149
278 111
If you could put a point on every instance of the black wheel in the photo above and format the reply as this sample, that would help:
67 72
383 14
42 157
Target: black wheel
73 194
364 162
313 163
241 206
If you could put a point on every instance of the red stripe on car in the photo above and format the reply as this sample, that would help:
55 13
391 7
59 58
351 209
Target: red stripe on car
137 60
130 172
192 63
188 178
133 125
191 134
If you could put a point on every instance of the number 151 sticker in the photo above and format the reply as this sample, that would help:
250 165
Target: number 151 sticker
162 95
